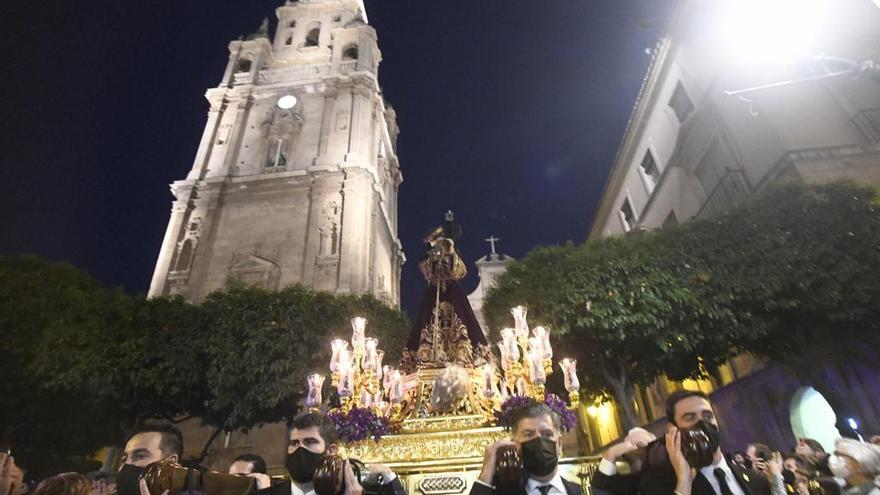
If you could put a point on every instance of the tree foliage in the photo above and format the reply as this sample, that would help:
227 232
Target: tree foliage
790 276
82 365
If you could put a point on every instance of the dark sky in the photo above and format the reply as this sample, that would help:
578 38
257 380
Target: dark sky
510 114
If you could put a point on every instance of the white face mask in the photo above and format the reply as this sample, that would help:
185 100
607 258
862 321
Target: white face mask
838 466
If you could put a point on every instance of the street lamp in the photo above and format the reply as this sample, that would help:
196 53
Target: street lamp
786 32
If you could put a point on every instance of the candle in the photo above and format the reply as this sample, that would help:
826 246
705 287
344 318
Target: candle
371 357
314 398
519 317
545 342
509 338
536 368
488 380
358 325
395 394
337 346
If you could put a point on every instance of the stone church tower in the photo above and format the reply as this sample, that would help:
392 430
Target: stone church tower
296 176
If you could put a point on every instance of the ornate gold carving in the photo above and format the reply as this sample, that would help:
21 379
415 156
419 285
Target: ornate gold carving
425 446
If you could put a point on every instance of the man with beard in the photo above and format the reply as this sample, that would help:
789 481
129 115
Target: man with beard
536 434
664 468
312 437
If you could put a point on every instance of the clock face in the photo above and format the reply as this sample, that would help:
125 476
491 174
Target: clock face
287 102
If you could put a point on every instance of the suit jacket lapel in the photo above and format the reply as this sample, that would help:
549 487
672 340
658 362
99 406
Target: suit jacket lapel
701 486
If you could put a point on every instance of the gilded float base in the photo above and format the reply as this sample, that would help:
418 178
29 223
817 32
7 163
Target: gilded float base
442 460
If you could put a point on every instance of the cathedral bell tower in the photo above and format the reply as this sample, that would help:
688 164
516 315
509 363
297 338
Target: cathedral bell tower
296 176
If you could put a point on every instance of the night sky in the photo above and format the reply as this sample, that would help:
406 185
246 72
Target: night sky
510 114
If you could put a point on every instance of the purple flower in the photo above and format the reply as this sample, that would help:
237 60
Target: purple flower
359 424
504 417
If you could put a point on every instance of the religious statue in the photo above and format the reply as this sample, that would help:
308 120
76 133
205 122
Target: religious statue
445 330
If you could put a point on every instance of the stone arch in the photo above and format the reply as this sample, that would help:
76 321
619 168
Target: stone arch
350 52
243 65
313 34
812 416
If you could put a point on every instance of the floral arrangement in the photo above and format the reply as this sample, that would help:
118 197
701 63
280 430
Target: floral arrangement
504 417
359 423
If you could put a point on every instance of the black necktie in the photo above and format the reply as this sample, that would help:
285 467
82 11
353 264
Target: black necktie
544 489
721 476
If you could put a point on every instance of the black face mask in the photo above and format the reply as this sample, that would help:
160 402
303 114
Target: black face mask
301 464
127 480
539 456
699 443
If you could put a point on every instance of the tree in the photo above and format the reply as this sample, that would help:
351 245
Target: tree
625 308
83 365
803 261
262 345
789 276
47 427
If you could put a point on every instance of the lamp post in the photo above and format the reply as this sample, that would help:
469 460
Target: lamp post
786 32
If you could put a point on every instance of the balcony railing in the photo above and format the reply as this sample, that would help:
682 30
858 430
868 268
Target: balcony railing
279 75
732 187
867 122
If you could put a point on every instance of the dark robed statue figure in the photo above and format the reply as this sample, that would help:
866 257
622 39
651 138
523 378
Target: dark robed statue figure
445 329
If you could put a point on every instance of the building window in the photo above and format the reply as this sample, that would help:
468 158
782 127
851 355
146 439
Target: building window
313 37
292 24
289 40
650 172
184 257
350 52
681 103
337 18
627 215
244 65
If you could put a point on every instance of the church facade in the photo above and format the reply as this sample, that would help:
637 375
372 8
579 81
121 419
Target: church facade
296 177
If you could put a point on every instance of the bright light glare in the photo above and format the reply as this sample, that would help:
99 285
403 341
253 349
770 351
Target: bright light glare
852 423
287 102
773 31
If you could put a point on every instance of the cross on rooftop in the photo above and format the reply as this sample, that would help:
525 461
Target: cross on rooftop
492 240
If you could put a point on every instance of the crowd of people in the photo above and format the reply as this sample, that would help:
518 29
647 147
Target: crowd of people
671 466
687 460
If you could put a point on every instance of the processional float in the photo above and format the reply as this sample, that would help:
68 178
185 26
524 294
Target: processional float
430 418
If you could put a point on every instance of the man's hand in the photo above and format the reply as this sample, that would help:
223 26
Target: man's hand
774 466
636 439
352 485
759 465
263 480
5 474
382 470
142 484
487 473
684 473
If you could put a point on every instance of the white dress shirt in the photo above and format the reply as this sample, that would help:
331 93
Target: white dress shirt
295 490
556 486
709 473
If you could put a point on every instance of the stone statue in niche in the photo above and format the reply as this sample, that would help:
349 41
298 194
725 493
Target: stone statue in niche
328 231
280 132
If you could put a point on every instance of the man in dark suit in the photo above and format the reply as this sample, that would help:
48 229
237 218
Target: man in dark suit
664 469
536 433
313 436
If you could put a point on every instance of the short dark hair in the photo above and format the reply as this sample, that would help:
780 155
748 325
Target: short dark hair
678 396
326 427
258 462
171 441
535 410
